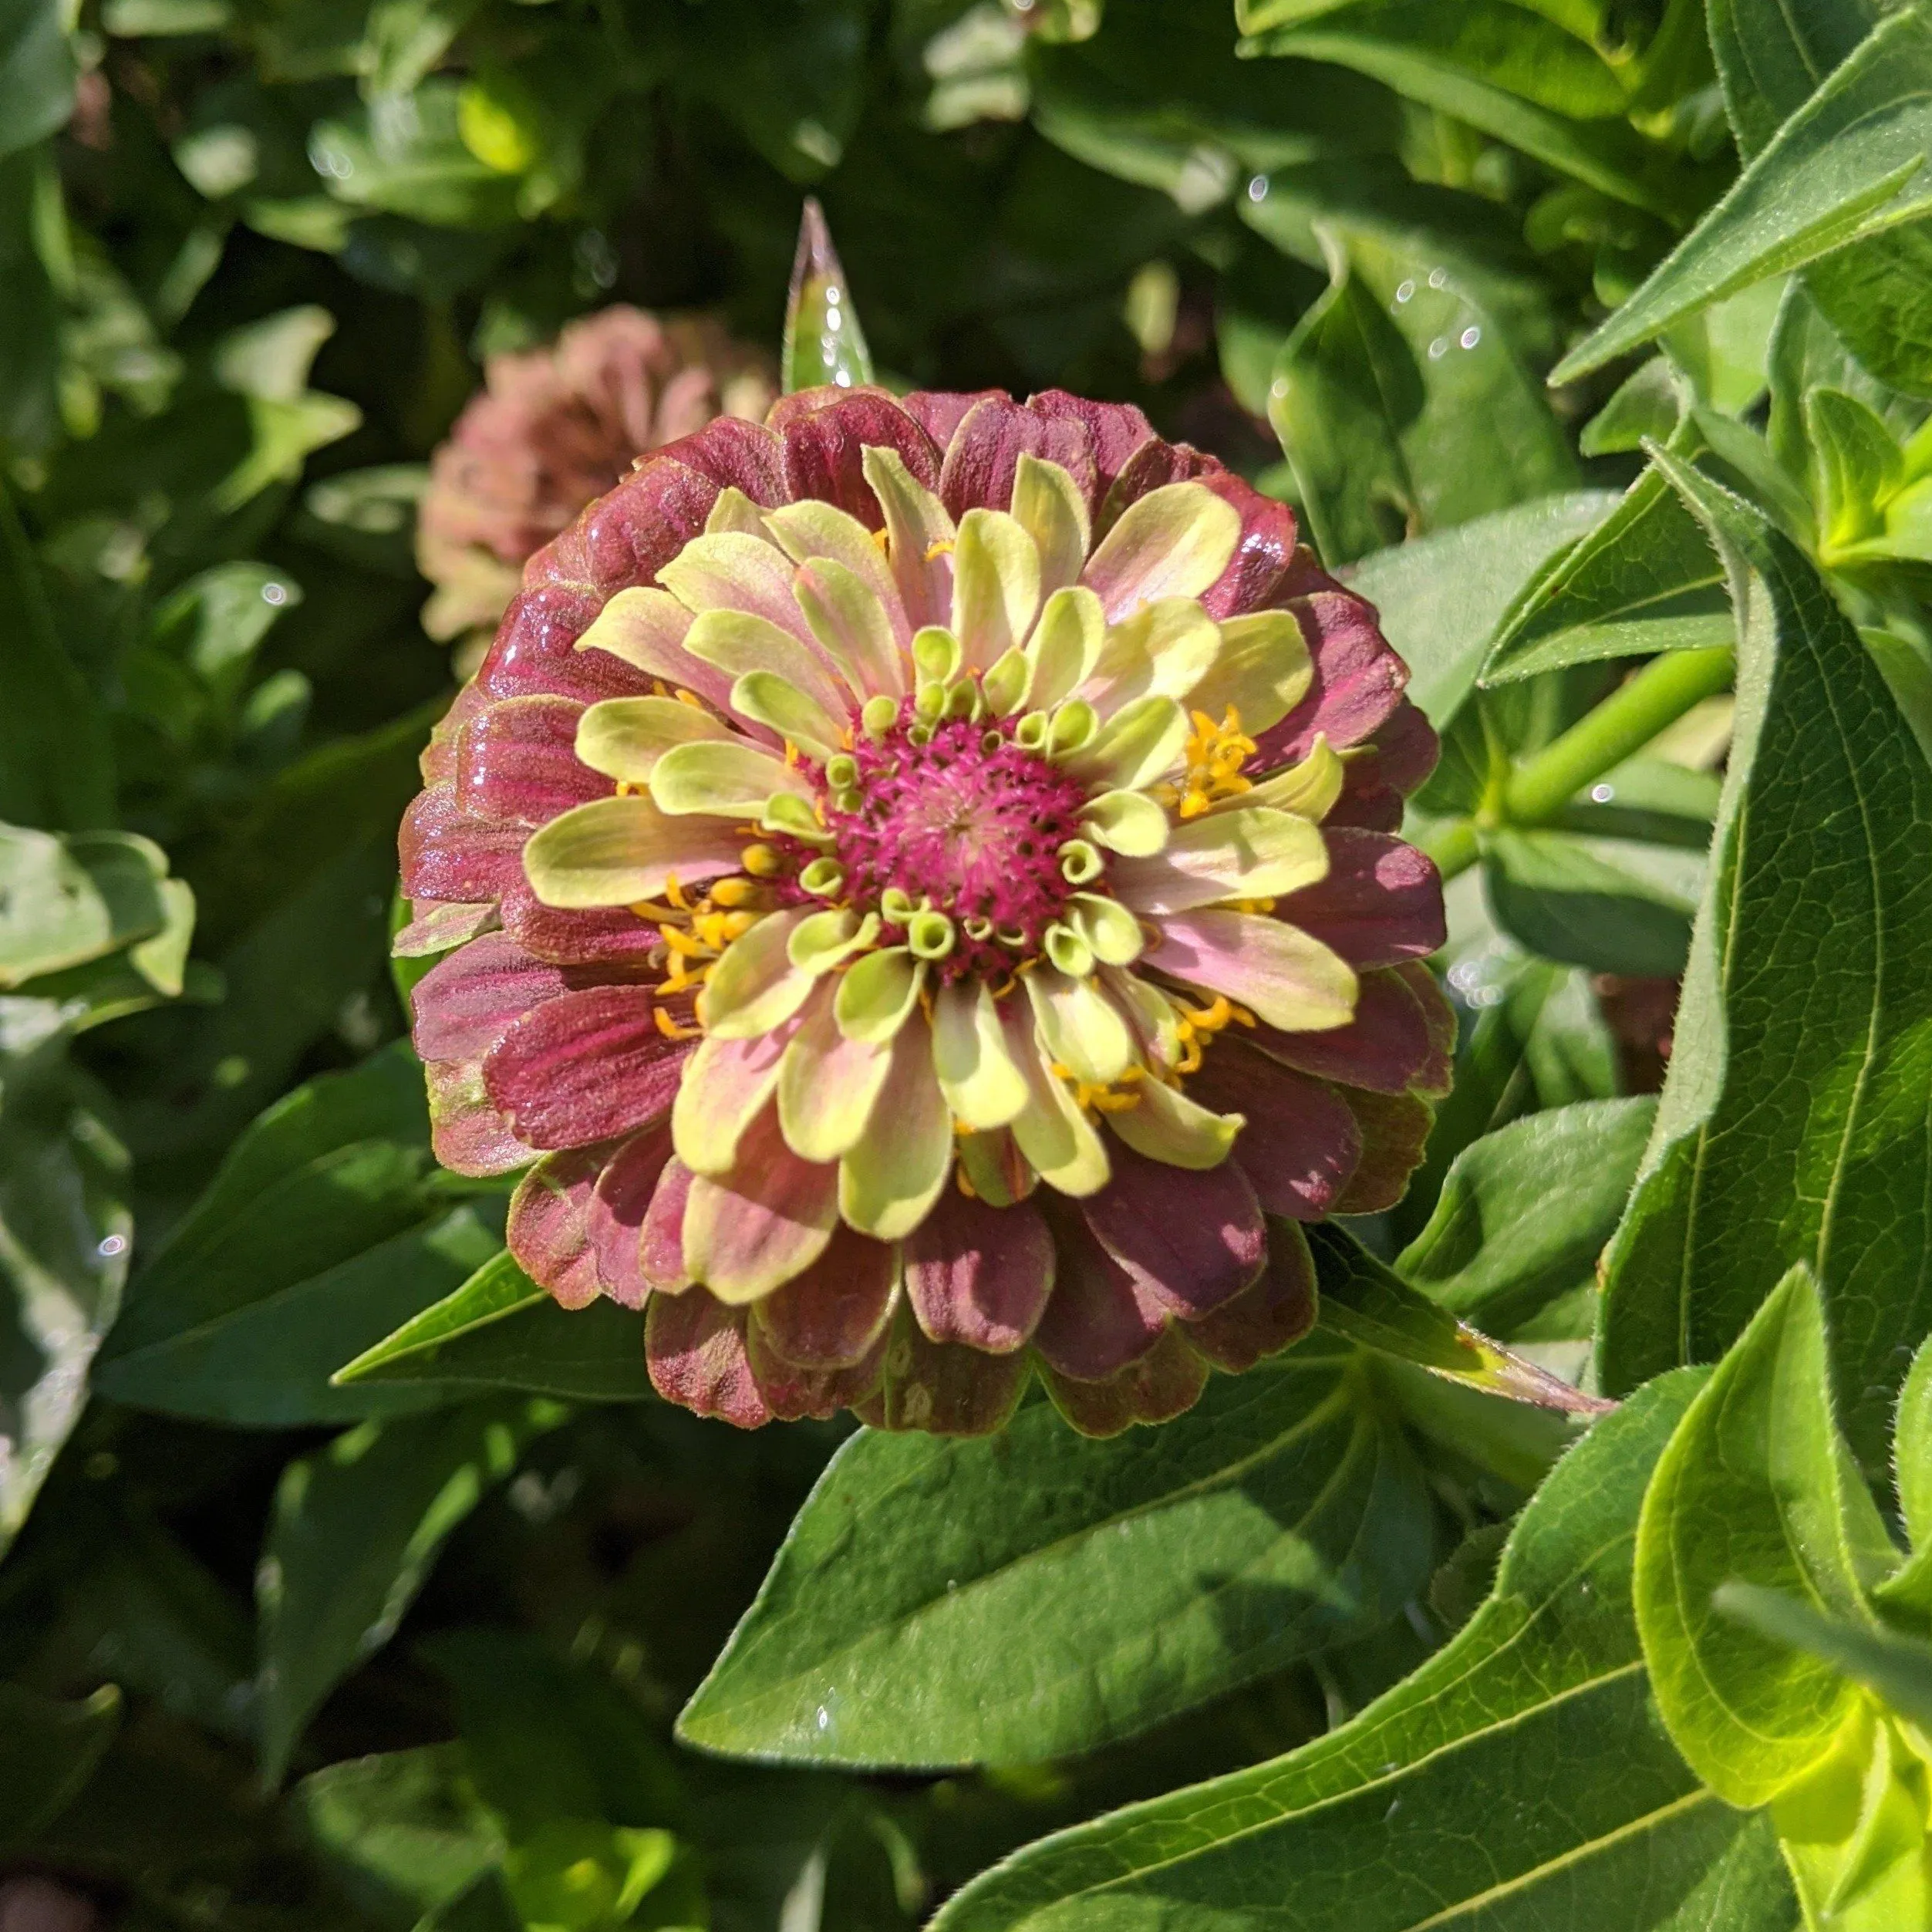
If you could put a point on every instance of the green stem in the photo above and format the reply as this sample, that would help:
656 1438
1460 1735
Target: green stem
1455 847
1625 722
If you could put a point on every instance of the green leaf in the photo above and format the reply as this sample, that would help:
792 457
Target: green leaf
1807 353
1069 1591
824 342
1524 1212
1401 405
407 155
1516 1780
48 1751
65 901
1756 1486
37 73
1819 894
1849 163
1856 464
356 1529
325 1227
1912 1448
1440 597
1611 904
500 1330
1898 1668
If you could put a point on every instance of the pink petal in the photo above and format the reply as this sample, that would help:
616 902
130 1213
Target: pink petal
1301 1143
1098 1318
695 1348
586 1066
1261 559
1389 1046
1152 466
940 412
624 1191
1358 679
833 1315
1278 1309
437 763
941 1387
737 454
548 1230
445 855
825 447
984 451
605 935
770 1218
1380 904
1190 1238
535 648
1166 1382
1395 1130
517 763
627 537
1117 430
466 1133
980 1275
792 1394
660 1248
466 1003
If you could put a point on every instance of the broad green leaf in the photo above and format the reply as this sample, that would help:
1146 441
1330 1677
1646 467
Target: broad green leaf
1069 1592
500 1330
409 158
824 342
1524 1212
1516 1781
1807 353
1899 1669
48 1750
1849 163
1912 1448
64 901
326 1227
1818 895
1611 904
37 73
1402 406
356 1529
1756 1486
1440 597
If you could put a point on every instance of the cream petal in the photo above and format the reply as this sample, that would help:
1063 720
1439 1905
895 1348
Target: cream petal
853 626
734 571
1108 930
1065 645
888 1182
1173 542
1263 668
1162 650
1167 1126
647 628
995 586
809 531
624 737
1128 822
737 643
1150 1013
1049 506
1309 790
1079 1026
795 715
614 851
727 780
828 1084
1057 1138
876 995
749 1231
1249 852
754 987
920 536
1137 745
1288 979
726 1085
735 511
982 1085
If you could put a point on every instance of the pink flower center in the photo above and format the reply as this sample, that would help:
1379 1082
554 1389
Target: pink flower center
968 821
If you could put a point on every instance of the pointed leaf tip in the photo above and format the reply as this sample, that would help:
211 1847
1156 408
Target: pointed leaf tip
824 342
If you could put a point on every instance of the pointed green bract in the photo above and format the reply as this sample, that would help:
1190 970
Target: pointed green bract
824 342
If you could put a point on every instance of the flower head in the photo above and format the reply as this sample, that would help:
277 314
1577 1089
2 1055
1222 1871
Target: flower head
552 430
923 881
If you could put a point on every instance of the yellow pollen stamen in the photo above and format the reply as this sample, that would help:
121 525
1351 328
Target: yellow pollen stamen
791 753
674 893
1216 753
669 1027
762 861
733 892
942 548
879 537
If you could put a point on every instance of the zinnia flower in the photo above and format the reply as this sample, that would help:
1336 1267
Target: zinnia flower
550 431
925 885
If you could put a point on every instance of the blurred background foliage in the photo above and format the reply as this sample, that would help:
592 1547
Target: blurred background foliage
254 255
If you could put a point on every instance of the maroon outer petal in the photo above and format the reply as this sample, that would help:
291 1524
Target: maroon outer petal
1395 1129
1165 1382
1262 557
1098 1318
1188 1239
548 1230
1300 1145
587 1066
1391 1044
825 448
1278 1309
943 1388
694 1346
1380 904
792 1393
437 763
660 1248
603 936
536 650
466 1003
735 454
940 412
1358 679
466 1133
1381 775
1435 1078
833 1315
517 762
1152 467
446 856
625 1188
983 454
1117 429
980 1275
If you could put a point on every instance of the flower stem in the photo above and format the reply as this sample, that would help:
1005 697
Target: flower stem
1625 722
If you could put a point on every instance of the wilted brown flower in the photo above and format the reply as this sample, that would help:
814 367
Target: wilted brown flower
553 429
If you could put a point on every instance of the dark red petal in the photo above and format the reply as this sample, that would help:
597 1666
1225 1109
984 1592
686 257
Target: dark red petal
1301 1143
1117 429
1377 779
603 936
695 1348
824 452
660 1249
623 1195
1189 1238
832 1315
940 412
548 1230
942 1387
536 650
468 1134
1261 560
980 1275
437 763
445 855
1389 1046
517 762
466 1003
1098 1318
1380 904
587 1066
1435 1078
1166 1382
735 454
792 1394
984 453
1358 679
1152 467
1278 1309
1395 1129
